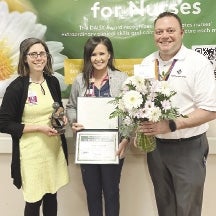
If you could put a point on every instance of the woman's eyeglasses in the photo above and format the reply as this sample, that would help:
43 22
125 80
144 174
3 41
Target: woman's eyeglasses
35 55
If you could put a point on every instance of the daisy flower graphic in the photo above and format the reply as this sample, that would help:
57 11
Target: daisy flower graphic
14 28
20 5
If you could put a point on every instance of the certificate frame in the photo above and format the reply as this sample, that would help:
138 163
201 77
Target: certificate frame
97 147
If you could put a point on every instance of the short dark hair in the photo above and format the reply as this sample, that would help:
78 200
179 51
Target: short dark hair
23 68
169 14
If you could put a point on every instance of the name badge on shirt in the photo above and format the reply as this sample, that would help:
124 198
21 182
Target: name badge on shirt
146 71
32 98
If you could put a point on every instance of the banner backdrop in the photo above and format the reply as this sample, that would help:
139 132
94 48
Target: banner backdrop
129 25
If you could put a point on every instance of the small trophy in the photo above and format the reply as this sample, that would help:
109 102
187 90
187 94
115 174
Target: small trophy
57 120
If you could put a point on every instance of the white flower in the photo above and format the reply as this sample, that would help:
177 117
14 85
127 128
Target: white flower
140 113
155 86
125 85
165 88
14 28
166 105
127 121
139 83
121 105
149 104
154 114
128 81
132 99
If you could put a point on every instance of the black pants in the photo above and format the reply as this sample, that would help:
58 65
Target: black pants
49 206
178 171
98 179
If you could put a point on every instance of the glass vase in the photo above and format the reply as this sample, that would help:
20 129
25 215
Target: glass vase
145 143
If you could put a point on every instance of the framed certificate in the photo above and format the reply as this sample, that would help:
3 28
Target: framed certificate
96 147
93 113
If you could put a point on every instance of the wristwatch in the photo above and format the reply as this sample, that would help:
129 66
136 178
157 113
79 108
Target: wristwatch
172 125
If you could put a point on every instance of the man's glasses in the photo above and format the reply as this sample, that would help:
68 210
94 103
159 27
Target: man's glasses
34 55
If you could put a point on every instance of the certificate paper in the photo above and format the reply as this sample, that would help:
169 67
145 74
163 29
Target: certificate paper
93 113
96 147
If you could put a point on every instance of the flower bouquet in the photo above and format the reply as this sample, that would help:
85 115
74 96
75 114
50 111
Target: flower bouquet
143 100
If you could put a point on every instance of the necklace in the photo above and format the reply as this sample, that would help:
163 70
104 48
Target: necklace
164 75
40 83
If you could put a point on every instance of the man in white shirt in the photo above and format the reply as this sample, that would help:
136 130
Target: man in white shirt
177 166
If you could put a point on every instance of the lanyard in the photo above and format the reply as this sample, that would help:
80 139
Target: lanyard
104 80
90 91
164 76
